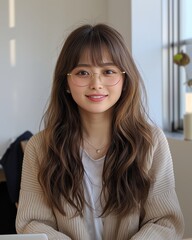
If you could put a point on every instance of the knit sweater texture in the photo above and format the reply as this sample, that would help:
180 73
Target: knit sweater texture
163 219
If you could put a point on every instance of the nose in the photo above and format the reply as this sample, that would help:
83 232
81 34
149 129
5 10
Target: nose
95 82
96 75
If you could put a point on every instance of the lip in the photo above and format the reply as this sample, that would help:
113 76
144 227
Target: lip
96 97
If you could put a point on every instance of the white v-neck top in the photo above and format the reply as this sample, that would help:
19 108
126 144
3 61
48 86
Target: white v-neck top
92 189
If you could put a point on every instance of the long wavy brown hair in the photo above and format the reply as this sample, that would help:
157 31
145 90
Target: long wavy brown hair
125 179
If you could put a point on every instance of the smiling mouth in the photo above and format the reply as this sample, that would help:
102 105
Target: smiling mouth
96 97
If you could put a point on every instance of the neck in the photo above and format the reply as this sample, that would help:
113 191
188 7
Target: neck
96 134
97 129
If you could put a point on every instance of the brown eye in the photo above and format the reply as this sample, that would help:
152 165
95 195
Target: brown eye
82 74
109 73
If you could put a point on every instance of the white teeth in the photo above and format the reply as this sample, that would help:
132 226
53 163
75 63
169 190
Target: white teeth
96 96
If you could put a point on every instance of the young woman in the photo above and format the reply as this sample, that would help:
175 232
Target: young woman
99 169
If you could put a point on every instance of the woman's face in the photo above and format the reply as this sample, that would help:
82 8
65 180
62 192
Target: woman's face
95 89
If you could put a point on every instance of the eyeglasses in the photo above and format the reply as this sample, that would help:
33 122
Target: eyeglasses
82 78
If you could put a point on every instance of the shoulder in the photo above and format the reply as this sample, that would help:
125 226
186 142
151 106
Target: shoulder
158 137
36 140
160 155
35 146
157 132
159 151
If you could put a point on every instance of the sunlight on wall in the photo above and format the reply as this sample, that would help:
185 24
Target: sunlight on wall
11 13
12 42
12 49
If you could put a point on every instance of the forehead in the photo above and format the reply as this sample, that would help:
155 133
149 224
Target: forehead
95 58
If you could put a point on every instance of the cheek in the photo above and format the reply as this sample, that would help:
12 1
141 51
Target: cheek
115 95
75 94
73 89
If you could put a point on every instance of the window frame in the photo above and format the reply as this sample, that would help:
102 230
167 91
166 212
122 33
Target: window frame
171 73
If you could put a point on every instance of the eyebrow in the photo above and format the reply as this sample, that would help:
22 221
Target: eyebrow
100 65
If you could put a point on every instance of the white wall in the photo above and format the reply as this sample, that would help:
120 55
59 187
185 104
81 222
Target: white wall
119 16
39 31
146 50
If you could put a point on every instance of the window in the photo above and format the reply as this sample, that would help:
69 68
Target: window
177 37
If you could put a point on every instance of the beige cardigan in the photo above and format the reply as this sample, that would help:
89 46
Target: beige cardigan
163 219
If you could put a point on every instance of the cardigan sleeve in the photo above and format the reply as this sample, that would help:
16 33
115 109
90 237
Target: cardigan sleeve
163 218
34 215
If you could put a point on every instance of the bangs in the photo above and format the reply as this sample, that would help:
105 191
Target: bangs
97 47
96 54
